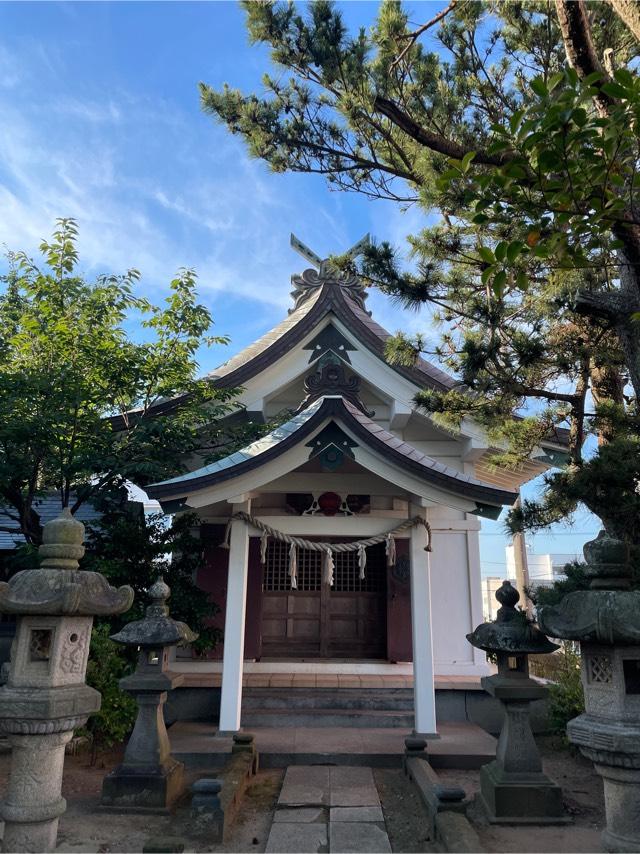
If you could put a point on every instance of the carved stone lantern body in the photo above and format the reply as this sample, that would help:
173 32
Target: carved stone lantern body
606 621
45 697
149 779
513 788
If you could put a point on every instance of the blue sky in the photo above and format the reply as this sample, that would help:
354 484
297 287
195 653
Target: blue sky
100 120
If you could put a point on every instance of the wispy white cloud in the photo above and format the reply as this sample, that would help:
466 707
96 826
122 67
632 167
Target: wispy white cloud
94 112
231 226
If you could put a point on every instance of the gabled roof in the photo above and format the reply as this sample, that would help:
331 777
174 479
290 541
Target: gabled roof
330 298
372 436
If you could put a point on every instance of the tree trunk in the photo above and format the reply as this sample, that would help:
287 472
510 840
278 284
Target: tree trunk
629 13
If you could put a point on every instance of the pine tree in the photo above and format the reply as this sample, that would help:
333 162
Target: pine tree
514 126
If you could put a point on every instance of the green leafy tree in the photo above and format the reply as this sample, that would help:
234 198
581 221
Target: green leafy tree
84 406
130 547
515 131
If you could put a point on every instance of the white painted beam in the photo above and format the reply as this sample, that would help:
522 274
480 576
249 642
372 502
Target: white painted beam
400 415
421 633
233 655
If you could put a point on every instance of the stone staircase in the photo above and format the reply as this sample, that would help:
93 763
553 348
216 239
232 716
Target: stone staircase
327 707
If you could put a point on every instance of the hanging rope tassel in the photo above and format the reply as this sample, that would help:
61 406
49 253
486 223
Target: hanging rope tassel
362 560
328 566
227 533
264 542
390 549
293 566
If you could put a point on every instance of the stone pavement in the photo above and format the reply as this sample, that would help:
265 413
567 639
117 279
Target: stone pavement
328 808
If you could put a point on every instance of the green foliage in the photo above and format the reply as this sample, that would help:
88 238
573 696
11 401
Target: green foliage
566 695
108 663
576 579
607 484
565 185
131 548
84 407
526 172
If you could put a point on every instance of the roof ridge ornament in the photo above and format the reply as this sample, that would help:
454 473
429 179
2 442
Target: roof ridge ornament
310 280
330 378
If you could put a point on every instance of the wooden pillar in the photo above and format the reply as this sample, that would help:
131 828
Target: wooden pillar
423 679
233 656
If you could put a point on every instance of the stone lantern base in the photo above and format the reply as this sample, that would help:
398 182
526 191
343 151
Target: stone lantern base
137 790
513 788
614 748
509 798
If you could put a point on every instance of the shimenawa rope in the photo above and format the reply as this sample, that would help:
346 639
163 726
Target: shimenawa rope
327 549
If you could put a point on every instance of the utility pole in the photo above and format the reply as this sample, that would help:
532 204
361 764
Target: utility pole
522 568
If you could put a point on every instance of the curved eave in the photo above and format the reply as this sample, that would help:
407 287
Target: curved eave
330 300
372 436
280 340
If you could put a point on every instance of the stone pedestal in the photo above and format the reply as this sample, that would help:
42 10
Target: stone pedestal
149 779
513 788
45 697
606 621
32 805
609 734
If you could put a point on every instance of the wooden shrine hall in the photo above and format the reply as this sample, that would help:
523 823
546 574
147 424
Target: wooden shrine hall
350 532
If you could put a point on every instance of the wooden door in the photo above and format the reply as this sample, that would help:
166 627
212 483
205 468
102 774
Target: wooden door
347 620
291 619
357 608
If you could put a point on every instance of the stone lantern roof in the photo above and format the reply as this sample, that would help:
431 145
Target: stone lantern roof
58 586
510 632
156 628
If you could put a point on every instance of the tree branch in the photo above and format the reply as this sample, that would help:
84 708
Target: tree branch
433 141
415 35
629 13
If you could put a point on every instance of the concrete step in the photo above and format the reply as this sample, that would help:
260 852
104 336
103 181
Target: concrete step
332 717
385 699
461 745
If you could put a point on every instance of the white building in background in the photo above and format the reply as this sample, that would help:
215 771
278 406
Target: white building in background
543 571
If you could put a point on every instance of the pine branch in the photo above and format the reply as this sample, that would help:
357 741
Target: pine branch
415 35
439 144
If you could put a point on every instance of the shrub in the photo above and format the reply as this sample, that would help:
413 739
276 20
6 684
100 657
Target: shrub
566 696
108 663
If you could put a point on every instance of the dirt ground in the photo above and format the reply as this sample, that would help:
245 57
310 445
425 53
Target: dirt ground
85 828
583 798
404 812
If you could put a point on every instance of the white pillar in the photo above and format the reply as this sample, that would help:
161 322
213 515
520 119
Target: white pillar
423 681
232 660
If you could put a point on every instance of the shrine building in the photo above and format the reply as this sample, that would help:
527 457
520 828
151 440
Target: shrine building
347 539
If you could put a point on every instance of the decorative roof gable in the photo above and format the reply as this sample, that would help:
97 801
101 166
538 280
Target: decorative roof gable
328 340
311 280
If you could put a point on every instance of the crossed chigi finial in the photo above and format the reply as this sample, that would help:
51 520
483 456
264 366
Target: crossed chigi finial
322 265
308 282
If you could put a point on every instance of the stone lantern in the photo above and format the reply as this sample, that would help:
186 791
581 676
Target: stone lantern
149 779
513 788
605 619
45 697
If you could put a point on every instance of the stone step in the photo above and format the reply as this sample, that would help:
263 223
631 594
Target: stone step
385 699
332 717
